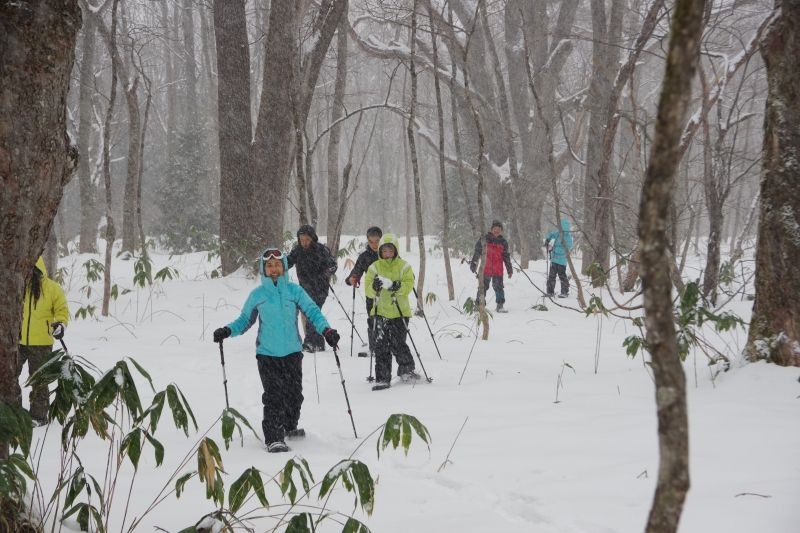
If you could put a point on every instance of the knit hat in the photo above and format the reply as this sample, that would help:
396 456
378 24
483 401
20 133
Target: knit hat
496 224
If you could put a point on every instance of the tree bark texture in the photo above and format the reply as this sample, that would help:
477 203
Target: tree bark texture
775 326
670 380
88 190
337 112
274 142
235 131
37 51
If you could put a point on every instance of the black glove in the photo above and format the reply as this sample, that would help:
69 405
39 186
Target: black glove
58 330
331 337
221 334
473 267
395 286
377 284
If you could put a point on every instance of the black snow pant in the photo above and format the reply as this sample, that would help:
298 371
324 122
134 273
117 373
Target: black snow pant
390 340
370 325
282 379
313 337
561 270
497 284
36 356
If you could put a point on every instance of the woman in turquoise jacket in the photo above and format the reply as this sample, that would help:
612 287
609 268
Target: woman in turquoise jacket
558 258
275 304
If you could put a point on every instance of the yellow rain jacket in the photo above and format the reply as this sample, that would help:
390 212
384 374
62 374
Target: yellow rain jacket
390 270
37 317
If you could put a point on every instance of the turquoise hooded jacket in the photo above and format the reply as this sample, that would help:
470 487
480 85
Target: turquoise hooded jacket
275 308
559 256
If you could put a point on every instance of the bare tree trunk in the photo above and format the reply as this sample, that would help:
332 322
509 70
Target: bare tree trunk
451 293
235 132
412 146
274 141
715 220
775 326
134 160
111 232
517 187
187 25
299 173
170 81
673 430
337 112
37 50
88 190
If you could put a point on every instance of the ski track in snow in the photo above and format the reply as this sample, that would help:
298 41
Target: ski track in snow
522 463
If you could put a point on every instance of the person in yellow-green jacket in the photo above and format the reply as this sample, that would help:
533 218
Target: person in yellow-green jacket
389 281
44 317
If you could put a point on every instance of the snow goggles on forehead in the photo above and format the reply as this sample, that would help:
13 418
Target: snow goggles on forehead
272 253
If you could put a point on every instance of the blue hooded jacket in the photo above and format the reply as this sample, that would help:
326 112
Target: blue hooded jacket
559 256
275 307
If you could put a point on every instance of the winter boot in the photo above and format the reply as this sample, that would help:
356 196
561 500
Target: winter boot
564 295
380 385
501 309
298 433
277 447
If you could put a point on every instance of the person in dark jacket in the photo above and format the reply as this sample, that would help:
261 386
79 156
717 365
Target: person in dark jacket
496 256
274 305
315 266
365 259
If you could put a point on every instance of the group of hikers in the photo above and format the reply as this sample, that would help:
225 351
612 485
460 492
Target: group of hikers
275 304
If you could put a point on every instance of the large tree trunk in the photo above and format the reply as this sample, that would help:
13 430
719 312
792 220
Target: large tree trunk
670 381
605 57
88 191
235 131
715 218
274 142
775 325
37 50
337 112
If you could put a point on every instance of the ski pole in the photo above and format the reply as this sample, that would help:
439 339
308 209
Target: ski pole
352 323
424 316
408 332
346 399
224 375
61 340
374 331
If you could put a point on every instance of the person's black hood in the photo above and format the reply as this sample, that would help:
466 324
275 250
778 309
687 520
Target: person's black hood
307 229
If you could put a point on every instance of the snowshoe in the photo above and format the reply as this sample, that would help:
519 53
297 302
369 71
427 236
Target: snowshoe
410 376
298 433
550 295
277 447
381 385
501 309
563 295
363 354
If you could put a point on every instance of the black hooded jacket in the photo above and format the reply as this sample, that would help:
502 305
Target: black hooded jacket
315 266
365 259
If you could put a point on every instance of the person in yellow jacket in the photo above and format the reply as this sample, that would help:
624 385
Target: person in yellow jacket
44 317
389 281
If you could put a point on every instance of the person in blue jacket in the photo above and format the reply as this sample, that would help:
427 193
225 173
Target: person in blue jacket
275 304
558 259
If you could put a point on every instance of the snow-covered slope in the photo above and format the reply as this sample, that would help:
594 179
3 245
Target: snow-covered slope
523 462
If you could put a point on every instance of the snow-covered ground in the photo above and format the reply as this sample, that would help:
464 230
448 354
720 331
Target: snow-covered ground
523 462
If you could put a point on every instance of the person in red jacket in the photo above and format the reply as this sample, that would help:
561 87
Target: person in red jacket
496 256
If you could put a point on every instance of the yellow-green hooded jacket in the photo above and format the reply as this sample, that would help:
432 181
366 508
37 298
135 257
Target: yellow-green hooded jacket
390 270
38 316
